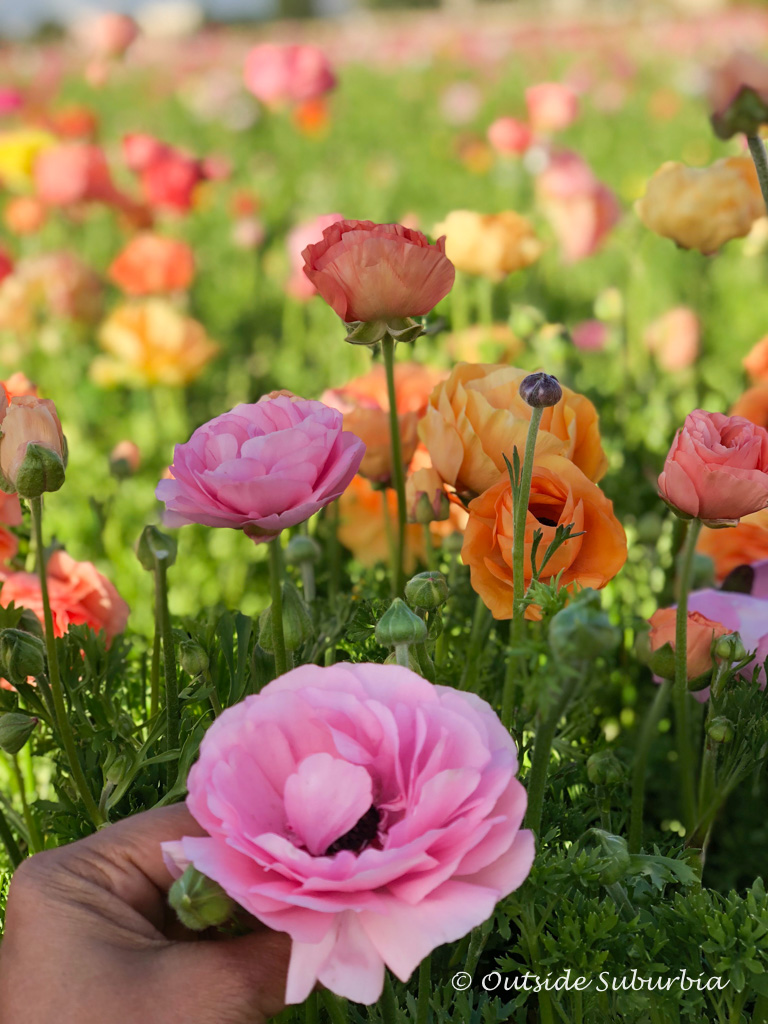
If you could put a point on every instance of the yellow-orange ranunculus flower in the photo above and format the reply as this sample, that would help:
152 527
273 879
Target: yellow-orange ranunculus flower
364 402
19 149
739 545
476 417
701 634
753 405
483 343
150 343
560 494
490 244
702 207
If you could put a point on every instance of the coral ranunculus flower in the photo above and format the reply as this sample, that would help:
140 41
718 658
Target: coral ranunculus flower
320 785
742 545
365 404
149 343
288 74
552 106
701 631
261 468
378 272
78 594
476 417
27 420
490 245
676 195
716 469
755 362
151 265
753 405
560 494
508 136
673 338
580 208
74 172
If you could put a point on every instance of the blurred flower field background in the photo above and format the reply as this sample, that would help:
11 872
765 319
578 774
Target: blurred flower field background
155 197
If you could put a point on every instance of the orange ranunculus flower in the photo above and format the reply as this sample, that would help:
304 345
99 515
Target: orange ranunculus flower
753 404
739 545
489 244
19 384
702 207
755 362
364 402
152 265
483 343
701 632
24 215
476 416
560 494
151 342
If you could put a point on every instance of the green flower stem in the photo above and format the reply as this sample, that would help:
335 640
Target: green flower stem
429 547
214 697
391 543
475 646
518 559
398 474
680 695
10 844
275 581
57 690
312 1009
308 582
425 990
647 735
542 748
760 159
172 729
426 663
334 554
154 677
401 655
35 839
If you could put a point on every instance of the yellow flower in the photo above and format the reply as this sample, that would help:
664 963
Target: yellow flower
702 207
491 244
150 343
18 151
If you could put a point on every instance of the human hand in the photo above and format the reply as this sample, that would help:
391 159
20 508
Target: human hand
90 939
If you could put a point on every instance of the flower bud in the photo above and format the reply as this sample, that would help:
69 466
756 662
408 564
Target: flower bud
40 471
124 460
613 858
720 729
540 390
15 730
199 902
582 630
120 768
604 769
297 622
425 499
662 661
155 545
302 549
399 625
33 452
730 648
192 657
21 655
427 590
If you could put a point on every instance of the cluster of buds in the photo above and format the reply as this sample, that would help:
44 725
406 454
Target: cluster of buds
297 622
33 451
402 628
425 498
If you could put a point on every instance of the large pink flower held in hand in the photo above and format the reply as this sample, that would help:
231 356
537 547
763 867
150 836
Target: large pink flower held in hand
261 468
366 812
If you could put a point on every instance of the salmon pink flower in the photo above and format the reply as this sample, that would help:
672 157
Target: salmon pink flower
279 75
552 107
151 265
75 172
366 812
716 469
370 272
674 338
261 467
581 210
507 135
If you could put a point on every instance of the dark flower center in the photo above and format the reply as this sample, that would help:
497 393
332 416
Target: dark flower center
359 836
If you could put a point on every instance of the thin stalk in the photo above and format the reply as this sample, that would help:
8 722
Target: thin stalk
391 542
680 695
214 697
334 555
10 844
479 623
312 1009
426 663
401 655
275 582
173 728
429 547
647 736
398 473
35 839
760 159
308 582
425 990
154 676
542 748
57 689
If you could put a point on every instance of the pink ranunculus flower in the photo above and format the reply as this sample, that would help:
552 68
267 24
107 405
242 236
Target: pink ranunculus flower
366 812
367 272
716 469
74 172
552 106
744 614
304 234
11 100
674 338
590 335
509 136
287 74
261 468
106 34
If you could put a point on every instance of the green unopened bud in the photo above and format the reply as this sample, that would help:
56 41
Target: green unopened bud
730 648
41 470
540 390
453 544
302 549
613 858
192 657
21 655
154 545
662 661
297 622
526 320
200 902
582 630
720 730
427 590
15 730
604 769
399 625
120 768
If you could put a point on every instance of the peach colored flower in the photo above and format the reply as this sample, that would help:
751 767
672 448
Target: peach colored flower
508 136
19 384
106 34
753 404
716 469
149 343
151 264
125 453
490 245
755 362
476 416
702 632
674 339
24 215
78 594
27 420
741 545
560 494
552 107
74 172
